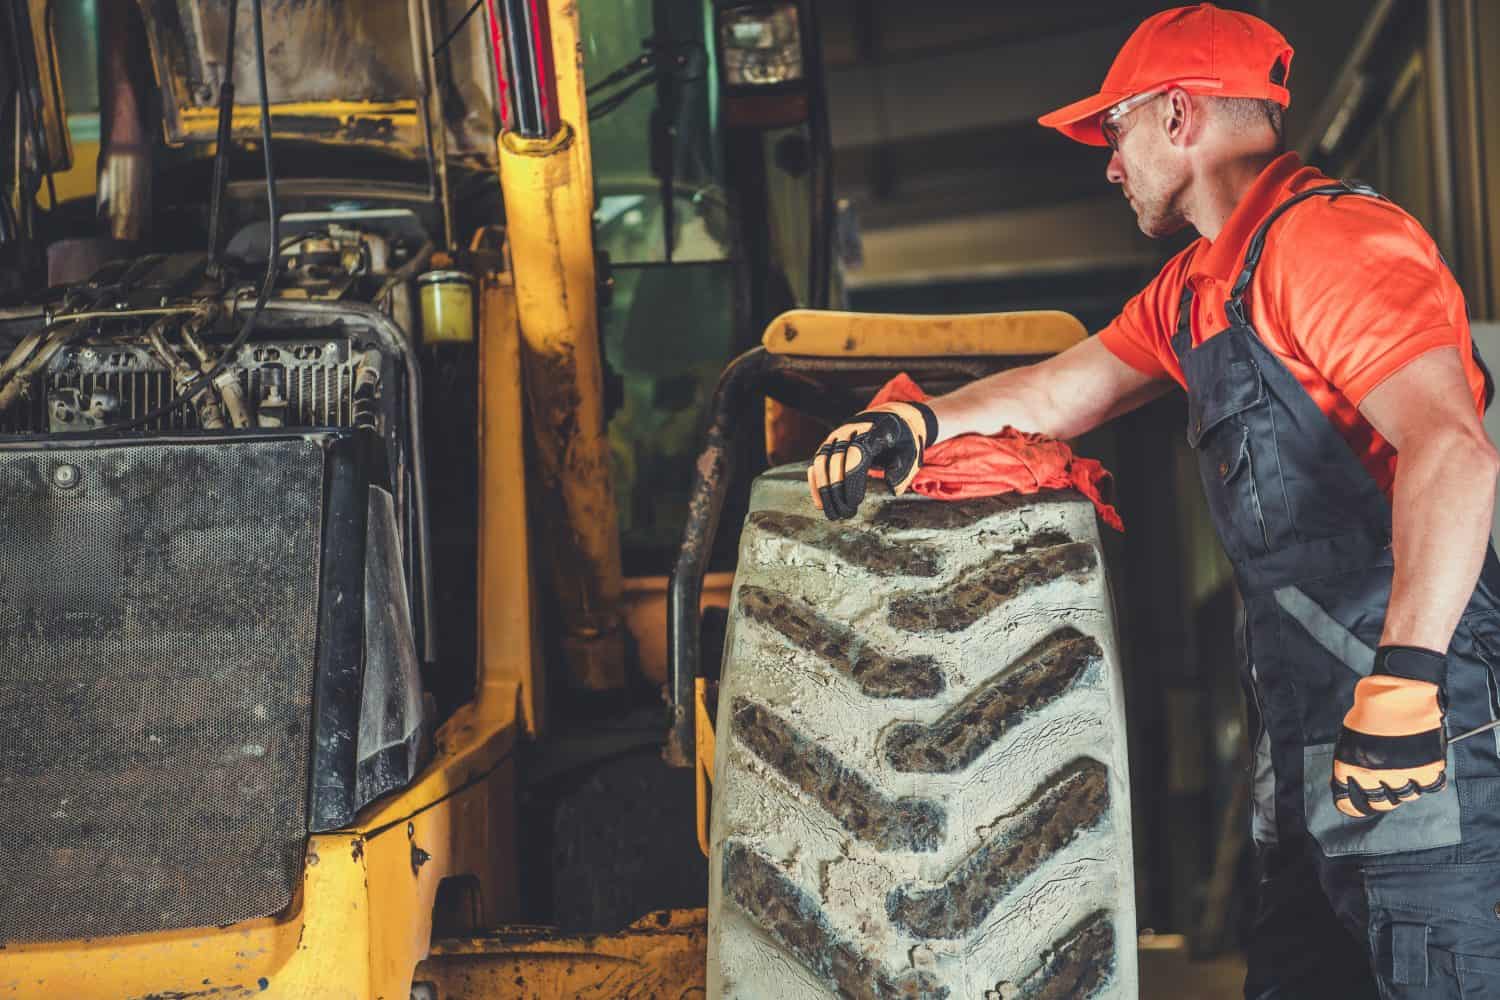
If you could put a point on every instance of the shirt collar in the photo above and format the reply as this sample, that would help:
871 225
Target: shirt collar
1217 261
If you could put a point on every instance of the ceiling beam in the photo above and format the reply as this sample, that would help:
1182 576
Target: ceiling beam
970 88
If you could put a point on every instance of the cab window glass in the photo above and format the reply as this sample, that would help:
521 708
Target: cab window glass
663 221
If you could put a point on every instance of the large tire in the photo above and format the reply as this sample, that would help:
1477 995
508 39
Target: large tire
921 784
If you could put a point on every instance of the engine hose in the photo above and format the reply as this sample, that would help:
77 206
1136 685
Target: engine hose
205 403
226 385
19 385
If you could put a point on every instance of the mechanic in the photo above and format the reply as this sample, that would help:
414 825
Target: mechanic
1334 400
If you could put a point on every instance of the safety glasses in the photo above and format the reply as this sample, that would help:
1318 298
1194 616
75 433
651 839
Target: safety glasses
1109 120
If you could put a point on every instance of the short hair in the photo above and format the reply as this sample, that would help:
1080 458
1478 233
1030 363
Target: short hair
1249 112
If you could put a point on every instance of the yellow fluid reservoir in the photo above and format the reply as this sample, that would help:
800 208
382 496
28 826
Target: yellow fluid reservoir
447 307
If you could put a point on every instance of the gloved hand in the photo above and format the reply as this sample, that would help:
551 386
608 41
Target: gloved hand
1393 748
891 437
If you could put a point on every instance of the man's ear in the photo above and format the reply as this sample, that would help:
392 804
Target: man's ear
1180 116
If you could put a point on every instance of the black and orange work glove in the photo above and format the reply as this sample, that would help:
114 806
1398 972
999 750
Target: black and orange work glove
891 437
1392 748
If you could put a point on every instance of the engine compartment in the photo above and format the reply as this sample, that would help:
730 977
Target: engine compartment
141 344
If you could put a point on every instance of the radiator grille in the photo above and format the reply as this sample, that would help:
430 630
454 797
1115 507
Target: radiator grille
157 633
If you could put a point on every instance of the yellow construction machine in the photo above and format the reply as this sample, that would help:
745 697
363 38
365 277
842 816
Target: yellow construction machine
355 361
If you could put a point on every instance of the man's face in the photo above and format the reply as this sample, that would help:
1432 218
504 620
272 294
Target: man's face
1148 168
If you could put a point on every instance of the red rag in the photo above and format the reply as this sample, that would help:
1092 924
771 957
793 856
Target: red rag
976 465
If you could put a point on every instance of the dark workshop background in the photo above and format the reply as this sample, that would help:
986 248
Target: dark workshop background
954 199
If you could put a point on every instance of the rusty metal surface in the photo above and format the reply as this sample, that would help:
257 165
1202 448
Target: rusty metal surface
1044 674
711 475
878 674
659 957
904 824
1070 804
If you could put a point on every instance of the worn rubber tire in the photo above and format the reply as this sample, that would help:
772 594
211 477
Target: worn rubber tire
921 785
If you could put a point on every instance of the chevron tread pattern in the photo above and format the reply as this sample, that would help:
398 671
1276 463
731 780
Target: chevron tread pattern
925 788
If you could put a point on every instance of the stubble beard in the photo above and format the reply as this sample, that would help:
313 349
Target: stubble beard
1157 212
1158 217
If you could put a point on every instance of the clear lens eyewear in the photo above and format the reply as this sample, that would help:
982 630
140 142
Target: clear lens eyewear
1109 121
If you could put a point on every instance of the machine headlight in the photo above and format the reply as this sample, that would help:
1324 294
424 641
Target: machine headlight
760 44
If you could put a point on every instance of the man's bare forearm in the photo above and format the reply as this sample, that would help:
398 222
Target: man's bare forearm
1443 503
1061 397
1013 398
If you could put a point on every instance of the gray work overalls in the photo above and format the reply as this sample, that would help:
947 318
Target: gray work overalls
1309 532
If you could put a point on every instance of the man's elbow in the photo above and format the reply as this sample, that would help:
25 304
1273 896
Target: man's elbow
1487 459
1449 456
1472 451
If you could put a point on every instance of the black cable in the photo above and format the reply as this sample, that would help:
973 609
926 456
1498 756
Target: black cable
640 64
457 27
221 151
616 100
193 386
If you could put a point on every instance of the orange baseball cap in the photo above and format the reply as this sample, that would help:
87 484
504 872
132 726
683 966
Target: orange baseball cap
1202 49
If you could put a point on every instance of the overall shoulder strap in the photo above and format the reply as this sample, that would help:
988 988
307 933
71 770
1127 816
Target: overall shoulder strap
1182 336
1235 307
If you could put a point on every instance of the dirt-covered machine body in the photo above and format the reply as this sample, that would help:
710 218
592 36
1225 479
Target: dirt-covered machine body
306 505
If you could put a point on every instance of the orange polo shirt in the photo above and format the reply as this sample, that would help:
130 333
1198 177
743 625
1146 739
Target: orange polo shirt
1348 291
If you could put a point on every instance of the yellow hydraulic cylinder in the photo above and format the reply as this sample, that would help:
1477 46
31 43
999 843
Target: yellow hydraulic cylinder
549 204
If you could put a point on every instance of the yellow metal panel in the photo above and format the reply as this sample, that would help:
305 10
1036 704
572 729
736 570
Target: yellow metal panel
825 334
703 768
389 125
660 957
469 746
319 950
506 654
81 180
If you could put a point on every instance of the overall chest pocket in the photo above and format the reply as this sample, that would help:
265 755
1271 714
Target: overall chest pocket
1219 424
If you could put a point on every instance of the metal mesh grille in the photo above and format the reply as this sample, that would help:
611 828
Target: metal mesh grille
158 621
